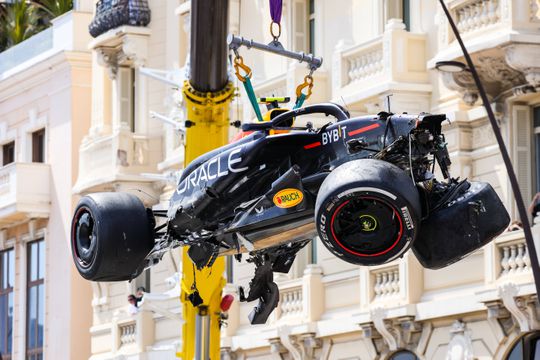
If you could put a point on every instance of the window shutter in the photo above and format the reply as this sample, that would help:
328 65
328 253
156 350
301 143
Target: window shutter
299 25
125 79
522 147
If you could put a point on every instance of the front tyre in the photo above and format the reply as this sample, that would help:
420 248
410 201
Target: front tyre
111 234
367 212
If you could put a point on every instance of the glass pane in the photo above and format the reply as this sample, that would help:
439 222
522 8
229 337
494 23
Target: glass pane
4 268
32 317
9 322
3 329
404 355
537 350
516 353
312 36
536 116
41 256
537 154
41 314
11 268
33 261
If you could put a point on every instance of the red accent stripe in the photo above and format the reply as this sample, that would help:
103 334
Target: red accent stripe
364 129
311 146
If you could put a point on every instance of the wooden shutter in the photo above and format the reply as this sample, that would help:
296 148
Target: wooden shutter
125 95
299 25
522 149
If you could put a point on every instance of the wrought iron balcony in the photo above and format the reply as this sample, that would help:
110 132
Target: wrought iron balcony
111 14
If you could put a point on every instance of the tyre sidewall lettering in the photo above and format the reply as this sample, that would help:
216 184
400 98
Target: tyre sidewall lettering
397 203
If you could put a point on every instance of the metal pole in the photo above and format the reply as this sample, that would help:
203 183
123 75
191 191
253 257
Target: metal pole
202 336
235 42
504 153
208 53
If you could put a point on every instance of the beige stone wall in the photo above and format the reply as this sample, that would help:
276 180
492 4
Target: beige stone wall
51 92
333 310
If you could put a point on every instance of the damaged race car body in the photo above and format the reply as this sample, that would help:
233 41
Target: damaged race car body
365 185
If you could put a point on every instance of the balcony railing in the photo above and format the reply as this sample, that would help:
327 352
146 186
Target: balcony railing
475 18
477 14
290 301
112 14
26 50
24 192
127 332
386 283
368 69
514 258
276 86
68 33
122 155
128 335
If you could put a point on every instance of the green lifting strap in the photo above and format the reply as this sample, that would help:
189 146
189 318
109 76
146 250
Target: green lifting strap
299 101
252 98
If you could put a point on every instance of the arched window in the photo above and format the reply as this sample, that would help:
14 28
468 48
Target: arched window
403 355
526 347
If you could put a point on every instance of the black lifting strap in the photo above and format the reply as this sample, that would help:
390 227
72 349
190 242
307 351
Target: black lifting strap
504 152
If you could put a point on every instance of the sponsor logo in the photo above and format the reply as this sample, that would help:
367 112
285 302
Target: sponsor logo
332 136
287 198
407 217
214 168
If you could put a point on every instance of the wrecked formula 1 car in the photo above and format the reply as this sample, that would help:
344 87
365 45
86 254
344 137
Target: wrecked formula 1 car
365 185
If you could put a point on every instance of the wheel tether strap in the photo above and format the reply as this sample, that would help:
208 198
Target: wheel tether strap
246 80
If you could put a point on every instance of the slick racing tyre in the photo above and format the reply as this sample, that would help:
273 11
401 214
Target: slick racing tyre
111 234
367 212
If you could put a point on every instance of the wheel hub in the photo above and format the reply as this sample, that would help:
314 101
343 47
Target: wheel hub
85 237
367 226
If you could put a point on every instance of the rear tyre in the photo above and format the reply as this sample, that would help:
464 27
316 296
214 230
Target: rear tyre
111 234
367 212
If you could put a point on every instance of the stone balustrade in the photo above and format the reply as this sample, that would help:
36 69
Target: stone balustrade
291 301
24 192
386 283
366 70
276 86
127 332
364 61
477 14
514 258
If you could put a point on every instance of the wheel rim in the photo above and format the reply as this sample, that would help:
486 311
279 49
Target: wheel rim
366 226
84 237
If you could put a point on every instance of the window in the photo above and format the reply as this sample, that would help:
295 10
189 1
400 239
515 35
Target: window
526 347
8 153
403 355
38 146
126 91
522 148
311 27
35 302
536 124
143 280
7 281
398 9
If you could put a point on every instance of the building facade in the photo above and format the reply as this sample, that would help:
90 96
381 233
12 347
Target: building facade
377 55
45 102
